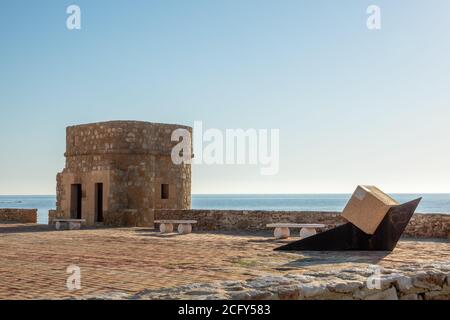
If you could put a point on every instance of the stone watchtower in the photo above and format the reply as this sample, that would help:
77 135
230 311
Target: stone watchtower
117 172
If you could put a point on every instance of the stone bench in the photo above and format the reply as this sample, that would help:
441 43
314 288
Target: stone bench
184 226
70 224
306 230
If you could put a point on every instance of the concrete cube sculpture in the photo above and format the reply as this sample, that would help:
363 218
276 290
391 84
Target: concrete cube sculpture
376 222
367 208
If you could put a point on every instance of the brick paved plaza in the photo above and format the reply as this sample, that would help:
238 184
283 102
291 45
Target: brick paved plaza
33 259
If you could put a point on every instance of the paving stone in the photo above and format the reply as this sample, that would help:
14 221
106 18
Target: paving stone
137 263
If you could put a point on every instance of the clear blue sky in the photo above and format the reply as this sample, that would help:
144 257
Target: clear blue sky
353 106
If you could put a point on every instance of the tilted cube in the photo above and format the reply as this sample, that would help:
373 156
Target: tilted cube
367 208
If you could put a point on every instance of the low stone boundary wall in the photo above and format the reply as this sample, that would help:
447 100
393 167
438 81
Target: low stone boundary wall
430 282
18 215
420 226
232 220
429 226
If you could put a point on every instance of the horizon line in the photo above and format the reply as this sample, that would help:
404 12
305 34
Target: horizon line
251 194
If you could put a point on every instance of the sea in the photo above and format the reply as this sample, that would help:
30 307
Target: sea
431 203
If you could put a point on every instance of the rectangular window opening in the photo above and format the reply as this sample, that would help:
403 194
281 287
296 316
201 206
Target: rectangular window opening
75 201
99 202
164 191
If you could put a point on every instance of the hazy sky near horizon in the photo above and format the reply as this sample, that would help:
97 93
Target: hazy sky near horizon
353 106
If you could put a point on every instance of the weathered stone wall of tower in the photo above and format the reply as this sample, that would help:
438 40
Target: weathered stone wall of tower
132 160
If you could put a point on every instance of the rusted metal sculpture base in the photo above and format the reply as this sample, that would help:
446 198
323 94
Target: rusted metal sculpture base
349 237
